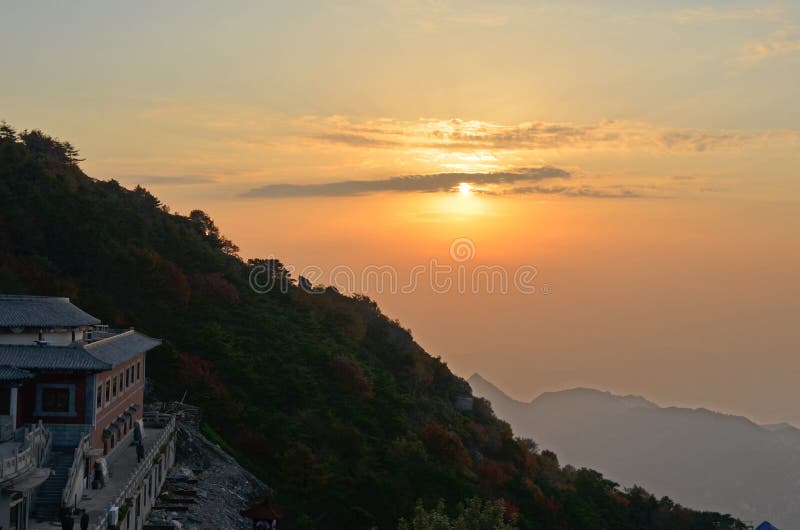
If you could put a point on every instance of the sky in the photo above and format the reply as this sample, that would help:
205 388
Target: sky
551 194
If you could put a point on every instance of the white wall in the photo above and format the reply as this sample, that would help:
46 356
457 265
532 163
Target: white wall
63 338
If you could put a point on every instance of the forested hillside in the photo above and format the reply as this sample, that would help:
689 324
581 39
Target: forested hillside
328 400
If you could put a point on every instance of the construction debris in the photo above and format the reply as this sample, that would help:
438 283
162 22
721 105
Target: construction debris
206 489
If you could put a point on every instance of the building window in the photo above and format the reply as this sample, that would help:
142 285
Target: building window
55 400
127 377
108 391
120 383
138 373
114 388
99 396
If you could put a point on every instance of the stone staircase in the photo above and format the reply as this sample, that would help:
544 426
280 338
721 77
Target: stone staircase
48 500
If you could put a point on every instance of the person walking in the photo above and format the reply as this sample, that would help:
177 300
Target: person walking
67 522
139 451
85 520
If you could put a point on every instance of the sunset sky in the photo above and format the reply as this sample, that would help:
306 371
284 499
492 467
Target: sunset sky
642 156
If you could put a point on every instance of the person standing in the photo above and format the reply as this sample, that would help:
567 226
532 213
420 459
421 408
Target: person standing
85 520
139 451
67 522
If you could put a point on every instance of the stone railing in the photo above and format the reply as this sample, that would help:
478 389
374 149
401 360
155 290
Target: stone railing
70 493
32 450
6 427
186 414
144 467
157 419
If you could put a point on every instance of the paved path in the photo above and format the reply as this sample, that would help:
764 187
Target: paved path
121 465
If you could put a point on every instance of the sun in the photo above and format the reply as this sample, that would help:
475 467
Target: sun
464 188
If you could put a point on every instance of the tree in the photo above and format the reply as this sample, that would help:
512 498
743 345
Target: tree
529 445
71 154
268 274
447 446
550 455
436 519
7 133
206 227
482 514
48 149
474 514
203 222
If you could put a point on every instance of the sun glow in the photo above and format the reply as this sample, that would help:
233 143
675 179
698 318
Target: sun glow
464 188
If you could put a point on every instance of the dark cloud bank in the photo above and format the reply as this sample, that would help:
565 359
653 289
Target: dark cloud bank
408 184
569 191
528 182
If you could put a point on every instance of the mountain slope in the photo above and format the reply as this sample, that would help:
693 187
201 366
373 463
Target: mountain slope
327 400
698 457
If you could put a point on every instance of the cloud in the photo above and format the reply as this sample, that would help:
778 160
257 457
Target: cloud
355 140
172 180
456 134
567 191
782 42
408 184
575 191
706 15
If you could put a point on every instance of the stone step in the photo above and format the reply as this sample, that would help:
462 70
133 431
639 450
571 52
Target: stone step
48 500
55 486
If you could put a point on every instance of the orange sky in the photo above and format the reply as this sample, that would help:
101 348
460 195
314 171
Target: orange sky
644 160
686 302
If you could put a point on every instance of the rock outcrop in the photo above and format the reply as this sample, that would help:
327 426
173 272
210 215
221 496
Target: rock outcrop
206 489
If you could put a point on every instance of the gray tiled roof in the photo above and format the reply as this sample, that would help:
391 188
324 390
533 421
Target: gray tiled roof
96 357
50 358
41 311
9 373
119 348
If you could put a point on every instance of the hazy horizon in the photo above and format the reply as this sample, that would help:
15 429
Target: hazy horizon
643 159
592 390
695 456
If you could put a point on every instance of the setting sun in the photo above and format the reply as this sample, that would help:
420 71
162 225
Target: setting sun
464 188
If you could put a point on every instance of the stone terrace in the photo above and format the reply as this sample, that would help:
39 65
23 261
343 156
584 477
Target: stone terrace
122 465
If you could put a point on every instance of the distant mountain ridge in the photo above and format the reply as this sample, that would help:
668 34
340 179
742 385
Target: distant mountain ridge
696 456
590 393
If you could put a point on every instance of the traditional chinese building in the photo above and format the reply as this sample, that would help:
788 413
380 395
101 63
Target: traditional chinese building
71 389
